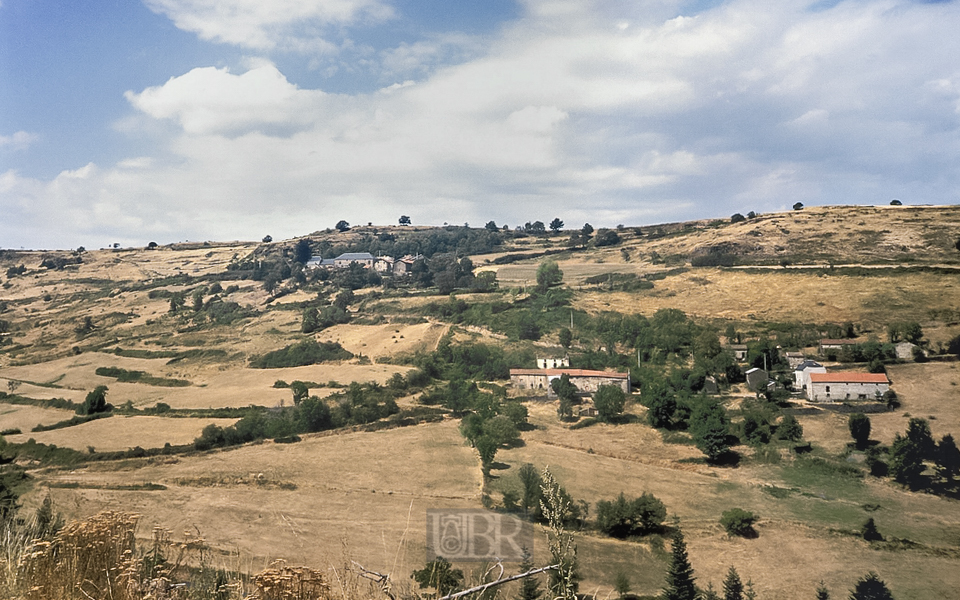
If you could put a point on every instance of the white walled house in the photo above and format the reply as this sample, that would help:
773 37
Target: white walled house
840 387
801 374
553 363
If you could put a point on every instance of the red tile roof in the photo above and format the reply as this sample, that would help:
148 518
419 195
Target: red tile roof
570 373
842 377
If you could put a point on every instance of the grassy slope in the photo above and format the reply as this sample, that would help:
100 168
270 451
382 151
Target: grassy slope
361 507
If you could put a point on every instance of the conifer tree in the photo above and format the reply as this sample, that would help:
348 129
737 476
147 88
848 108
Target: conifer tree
529 586
822 592
680 574
732 586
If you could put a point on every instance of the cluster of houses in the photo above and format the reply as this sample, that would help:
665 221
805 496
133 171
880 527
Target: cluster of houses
810 377
385 265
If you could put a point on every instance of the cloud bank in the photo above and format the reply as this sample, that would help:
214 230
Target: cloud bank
607 112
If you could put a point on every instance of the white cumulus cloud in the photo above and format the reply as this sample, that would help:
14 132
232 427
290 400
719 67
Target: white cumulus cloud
267 24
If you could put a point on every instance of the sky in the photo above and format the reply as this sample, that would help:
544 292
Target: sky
125 121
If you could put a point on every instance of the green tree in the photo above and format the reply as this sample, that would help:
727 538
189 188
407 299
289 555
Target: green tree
565 337
556 225
859 426
609 401
300 392
732 586
405 220
798 206
661 403
501 430
870 532
566 392
531 483
487 449
529 586
622 518
302 252
870 587
918 430
790 429
586 232
440 575
948 458
737 521
680 579
710 428
906 461
95 402
342 226
548 275
621 583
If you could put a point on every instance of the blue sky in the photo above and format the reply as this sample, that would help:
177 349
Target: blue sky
169 120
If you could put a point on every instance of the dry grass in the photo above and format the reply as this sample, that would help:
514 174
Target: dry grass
358 495
122 433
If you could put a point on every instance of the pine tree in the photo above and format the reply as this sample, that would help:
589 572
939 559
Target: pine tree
680 574
870 531
870 587
732 586
822 592
529 586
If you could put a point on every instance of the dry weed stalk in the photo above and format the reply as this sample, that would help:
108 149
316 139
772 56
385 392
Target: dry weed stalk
86 559
280 582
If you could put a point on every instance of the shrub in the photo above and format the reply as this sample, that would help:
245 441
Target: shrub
622 518
307 352
737 521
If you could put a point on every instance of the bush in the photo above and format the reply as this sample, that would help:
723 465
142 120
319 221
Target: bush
307 352
622 518
737 521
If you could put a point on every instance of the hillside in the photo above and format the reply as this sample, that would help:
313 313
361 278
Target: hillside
178 335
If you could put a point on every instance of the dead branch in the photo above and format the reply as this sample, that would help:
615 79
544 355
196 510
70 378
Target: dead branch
486 586
382 580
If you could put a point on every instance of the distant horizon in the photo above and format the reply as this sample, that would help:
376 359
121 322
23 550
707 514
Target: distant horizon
567 228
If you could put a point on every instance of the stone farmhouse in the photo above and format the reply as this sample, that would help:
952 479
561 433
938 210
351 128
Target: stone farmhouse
586 381
757 379
739 351
345 260
843 386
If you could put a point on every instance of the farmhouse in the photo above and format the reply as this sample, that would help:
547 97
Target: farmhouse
739 351
345 260
553 363
404 266
834 387
383 264
794 359
801 374
757 379
586 381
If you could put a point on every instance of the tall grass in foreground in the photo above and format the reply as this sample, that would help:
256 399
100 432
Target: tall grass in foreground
98 559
